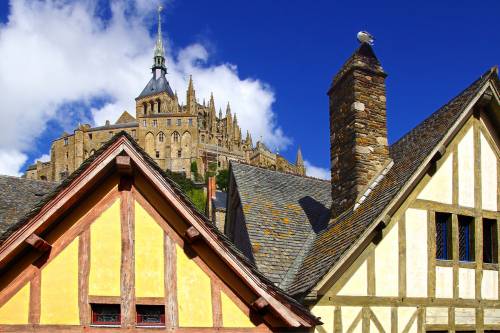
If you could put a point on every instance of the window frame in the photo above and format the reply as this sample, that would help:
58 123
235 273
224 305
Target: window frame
444 221
466 226
491 225
139 317
93 315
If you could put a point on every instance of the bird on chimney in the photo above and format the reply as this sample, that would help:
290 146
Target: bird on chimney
365 37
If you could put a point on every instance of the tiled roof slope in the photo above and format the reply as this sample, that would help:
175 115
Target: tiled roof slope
18 196
281 212
408 154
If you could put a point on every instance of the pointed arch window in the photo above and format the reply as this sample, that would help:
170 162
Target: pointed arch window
176 137
161 137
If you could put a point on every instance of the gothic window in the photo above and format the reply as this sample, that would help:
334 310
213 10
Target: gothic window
190 122
65 141
155 123
150 315
134 134
179 122
152 106
161 137
144 108
106 314
144 123
159 106
443 236
203 138
179 153
157 154
490 242
465 238
169 122
176 137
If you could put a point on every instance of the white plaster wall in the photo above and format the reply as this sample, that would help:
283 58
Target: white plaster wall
491 316
444 282
416 253
325 312
349 313
404 316
489 285
436 316
386 264
383 315
466 170
464 316
440 187
466 283
489 182
357 284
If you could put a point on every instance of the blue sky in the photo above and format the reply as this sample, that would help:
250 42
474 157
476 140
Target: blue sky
431 50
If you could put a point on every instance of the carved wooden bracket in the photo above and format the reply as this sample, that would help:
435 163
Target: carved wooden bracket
124 165
38 243
192 234
260 304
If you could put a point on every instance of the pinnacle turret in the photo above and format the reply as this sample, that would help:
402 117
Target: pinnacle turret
299 161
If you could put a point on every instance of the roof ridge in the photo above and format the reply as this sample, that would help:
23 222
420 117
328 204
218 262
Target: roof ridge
29 180
278 171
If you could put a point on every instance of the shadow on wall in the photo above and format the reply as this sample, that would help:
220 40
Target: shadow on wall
317 214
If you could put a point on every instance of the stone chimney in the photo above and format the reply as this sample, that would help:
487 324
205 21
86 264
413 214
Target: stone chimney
211 188
358 130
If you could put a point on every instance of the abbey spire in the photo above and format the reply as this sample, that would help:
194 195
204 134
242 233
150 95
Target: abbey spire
159 67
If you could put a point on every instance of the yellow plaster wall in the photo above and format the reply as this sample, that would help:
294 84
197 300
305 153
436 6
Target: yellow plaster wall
349 314
387 264
439 188
416 253
325 312
59 288
466 283
466 170
383 314
232 316
149 255
105 253
444 282
357 285
16 310
489 284
404 317
193 293
489 181
436 316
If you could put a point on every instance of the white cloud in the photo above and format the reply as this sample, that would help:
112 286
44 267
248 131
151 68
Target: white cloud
11 162
317 172
43 158
58 52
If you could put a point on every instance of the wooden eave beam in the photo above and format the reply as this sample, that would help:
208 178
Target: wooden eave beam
38 243
192 234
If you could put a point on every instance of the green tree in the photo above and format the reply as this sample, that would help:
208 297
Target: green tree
222 180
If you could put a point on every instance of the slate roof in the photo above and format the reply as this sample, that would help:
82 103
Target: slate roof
281 212
18 196
219 202
156 86
288 253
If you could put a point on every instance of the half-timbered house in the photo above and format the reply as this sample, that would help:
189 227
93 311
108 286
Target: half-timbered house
117 247
405 236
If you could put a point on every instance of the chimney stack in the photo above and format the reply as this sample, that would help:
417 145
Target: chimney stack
358 130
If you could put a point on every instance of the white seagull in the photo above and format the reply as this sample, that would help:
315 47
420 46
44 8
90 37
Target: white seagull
365 37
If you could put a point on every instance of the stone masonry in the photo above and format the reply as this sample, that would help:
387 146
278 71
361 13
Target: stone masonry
358 131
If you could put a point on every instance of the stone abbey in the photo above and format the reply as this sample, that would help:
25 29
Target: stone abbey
174 135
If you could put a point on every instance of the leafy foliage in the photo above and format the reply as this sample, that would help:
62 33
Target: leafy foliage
197 195
222 180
